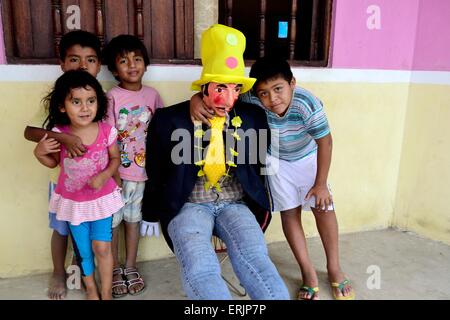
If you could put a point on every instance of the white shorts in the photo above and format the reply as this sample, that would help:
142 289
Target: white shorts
132 194
290 182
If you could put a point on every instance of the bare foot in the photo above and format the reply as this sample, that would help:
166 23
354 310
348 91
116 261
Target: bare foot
107 295
57 287
92 294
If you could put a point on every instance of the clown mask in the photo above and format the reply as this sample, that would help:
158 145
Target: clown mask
221 97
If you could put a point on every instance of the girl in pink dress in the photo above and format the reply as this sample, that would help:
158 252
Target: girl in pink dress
86 194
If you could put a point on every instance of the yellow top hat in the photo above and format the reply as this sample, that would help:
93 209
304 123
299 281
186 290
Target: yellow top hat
222 51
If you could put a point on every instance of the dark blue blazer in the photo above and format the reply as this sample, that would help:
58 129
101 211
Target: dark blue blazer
169 184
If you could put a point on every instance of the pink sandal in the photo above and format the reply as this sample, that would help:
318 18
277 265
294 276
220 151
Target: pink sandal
135 279
119 283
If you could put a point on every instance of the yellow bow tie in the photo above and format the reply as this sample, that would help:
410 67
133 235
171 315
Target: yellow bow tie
214 167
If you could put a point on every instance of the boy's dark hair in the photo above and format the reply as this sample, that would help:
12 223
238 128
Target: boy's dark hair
83 38
72 79
121 45
270 67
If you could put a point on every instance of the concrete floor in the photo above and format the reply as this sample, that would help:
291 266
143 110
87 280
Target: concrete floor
408 267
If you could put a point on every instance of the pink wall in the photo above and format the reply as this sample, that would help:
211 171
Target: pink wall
390 46
2 47
432 50
408 34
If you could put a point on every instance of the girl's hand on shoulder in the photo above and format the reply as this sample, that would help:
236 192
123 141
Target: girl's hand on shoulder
322 195
98 181
46 146
73 144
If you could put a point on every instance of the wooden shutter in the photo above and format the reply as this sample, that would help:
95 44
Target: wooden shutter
33 28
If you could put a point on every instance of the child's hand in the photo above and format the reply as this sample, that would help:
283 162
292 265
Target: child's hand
199 111
74 145
46 146
323 197
98 181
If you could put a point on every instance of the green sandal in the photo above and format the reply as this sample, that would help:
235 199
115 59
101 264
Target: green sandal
341 287
312 291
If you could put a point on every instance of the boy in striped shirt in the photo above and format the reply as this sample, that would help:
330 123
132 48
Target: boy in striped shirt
298 162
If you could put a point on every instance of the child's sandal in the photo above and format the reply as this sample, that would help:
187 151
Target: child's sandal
311 291
136 279
340 286
119 283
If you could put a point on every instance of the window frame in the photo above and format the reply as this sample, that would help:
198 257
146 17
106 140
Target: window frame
324 25
179 48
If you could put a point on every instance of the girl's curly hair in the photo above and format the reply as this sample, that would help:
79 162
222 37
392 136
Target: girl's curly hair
55 99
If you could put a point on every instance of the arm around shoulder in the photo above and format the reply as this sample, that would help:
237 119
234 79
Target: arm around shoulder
72 143
34 134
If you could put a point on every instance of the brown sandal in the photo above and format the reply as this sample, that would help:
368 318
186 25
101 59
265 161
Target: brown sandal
119 283
136 279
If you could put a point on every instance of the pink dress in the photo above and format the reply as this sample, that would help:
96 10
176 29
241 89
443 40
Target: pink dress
74 200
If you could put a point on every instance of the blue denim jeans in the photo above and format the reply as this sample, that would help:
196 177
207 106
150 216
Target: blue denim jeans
191 231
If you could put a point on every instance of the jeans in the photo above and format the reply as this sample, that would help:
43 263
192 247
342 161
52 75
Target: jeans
191 231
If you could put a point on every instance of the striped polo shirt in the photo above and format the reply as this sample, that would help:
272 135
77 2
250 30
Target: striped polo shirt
294 134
